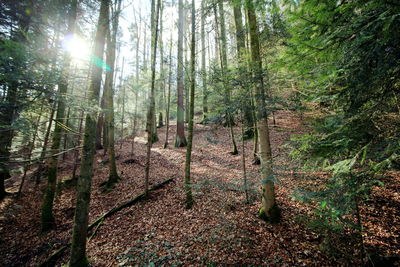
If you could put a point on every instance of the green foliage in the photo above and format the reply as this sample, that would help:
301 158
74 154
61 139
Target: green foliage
26 67
346 56
350 58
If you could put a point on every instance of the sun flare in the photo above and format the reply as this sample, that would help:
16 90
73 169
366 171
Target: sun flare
77 47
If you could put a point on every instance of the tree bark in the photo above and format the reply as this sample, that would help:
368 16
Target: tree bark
79 234
269 210
137 83
203 62
47 217
100 128
169 94
109 96
161 92
41 167
123 102
30 150
68 125
224 66
151 109
188 189
180 140
242 65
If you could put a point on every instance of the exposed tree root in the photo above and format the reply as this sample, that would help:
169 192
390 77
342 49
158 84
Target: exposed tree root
52 259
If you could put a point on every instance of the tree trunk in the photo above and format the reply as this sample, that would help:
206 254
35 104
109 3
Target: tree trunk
123 102
169 94
188 189
217 44
78 143
109 96
269 210
150 114
203 62
68 125
30 150
47 217
224 66
100 127
186 66
79 234
180 140
41 166
137 83
161 92
242 64
244 160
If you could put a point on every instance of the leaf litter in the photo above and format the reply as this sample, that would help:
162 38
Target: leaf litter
221 228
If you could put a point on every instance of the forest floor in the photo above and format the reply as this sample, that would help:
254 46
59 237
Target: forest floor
221 228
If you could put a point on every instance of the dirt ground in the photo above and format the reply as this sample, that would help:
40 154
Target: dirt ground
221 228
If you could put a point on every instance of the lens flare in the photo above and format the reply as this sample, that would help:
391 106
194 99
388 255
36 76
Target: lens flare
77 47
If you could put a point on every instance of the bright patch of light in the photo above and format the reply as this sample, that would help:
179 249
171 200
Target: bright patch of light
77 47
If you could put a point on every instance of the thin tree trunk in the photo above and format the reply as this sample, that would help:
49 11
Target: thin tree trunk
137 83
180 140
123 103
244 161
100 127
78 143
241 52
41 166
188 189
29 154
79 234
217 44
161 93
109 96
79 137
186 62
269 210
47 217
144 49
169 93
150 114
224 66
203 62
67 124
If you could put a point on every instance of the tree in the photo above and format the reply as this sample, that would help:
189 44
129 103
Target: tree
224 67
47 217
347 58
242 66
269 209
79 234
109 95
188 189
180 140
203 61
151 109
9 109
161 92
167 115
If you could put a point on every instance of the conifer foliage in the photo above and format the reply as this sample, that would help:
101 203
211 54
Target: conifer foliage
310 88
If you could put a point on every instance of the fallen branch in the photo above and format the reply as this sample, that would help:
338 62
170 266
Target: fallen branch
51 260
127 204
95 230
